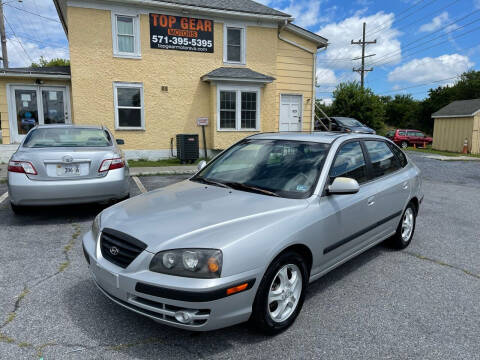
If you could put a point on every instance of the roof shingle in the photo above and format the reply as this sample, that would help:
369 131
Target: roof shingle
459 108
52 70
245 6
237 73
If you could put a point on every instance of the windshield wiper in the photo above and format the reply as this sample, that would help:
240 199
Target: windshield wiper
210 182
239 186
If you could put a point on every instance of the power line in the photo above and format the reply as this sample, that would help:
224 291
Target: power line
408 46
414 86
16 38
32 13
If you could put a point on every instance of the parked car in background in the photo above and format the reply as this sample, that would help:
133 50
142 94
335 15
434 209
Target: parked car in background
345 124
242 239
405 138
66 164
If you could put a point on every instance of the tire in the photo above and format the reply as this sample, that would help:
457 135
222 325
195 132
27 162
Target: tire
18 210
401 239
291 265
404 144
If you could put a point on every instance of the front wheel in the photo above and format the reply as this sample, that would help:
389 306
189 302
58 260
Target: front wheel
405 230
281 294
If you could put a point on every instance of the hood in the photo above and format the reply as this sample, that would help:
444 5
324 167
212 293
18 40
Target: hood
190 214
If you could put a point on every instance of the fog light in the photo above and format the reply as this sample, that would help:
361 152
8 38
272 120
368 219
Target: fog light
183 316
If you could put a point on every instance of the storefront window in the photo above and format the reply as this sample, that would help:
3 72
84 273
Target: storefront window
53 107
129 106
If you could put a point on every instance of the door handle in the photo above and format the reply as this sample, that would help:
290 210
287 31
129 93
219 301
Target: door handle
371 201
405 185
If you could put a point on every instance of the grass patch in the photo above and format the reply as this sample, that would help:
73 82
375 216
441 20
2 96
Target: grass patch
429 150
158 163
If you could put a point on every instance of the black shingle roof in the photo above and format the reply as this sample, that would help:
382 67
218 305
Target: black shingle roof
237 73
245 6
459 108
51 70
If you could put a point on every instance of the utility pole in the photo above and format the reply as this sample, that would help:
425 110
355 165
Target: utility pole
3 38
363 43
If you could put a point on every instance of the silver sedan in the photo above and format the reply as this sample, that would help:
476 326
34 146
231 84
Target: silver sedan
242 239
65 164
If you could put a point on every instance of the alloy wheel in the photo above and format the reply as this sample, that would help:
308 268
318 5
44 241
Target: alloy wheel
284 293
407 224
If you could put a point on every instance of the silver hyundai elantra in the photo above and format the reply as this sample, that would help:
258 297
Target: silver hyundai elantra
66 164
242 239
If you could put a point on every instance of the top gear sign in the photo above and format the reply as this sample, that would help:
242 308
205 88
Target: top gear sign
181 33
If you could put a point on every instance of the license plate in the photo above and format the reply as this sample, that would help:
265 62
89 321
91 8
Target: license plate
68 170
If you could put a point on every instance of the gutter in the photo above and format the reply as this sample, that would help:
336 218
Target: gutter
60 15
35 75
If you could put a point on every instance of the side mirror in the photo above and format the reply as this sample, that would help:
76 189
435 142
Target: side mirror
201 165
120 142
343 186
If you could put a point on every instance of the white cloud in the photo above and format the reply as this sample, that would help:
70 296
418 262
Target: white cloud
39 35
326 77
340 34
431 69
436 23
17 57
326 101
305 13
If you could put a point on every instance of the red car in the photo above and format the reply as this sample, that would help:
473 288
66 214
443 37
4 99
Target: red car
405 138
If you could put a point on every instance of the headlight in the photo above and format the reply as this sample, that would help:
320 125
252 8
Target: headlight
96 227
198 263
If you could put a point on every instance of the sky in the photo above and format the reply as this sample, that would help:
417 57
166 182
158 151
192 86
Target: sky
420 43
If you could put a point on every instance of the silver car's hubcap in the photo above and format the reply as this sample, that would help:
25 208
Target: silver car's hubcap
407 225
285 293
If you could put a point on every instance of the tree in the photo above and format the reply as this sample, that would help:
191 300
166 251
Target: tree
42 62
403 111
350 100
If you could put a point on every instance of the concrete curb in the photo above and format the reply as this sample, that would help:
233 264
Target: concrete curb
452 158
162 172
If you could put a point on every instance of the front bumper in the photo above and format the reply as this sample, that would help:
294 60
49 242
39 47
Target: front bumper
25 191
134 288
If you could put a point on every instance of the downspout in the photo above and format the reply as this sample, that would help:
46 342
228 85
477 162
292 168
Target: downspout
314 75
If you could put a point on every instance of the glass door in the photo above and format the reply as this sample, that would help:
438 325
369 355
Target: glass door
53 103
26 114
35 105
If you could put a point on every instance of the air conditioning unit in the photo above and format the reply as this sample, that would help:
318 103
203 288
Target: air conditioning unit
187 148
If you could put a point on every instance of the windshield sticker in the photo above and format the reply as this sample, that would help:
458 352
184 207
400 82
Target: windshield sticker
302 188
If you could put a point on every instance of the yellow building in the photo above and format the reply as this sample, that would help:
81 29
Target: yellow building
455 123
148 70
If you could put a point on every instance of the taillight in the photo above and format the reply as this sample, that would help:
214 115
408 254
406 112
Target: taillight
111 164
24 167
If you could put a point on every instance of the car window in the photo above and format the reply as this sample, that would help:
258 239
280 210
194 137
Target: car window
350 163
399 153
390 133
383 160
401 133
67 137
287 168
411 133
419 134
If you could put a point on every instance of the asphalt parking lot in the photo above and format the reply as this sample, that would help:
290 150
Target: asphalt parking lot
420 303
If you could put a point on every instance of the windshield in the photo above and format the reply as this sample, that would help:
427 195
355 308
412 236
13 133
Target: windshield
67 137
349 122
272 167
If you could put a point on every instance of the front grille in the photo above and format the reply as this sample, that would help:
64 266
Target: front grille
119 248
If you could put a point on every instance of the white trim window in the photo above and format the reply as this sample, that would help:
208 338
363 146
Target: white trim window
234 44
129 106
238 109
126 35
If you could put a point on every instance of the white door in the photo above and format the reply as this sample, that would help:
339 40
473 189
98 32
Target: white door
290 113
36 105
